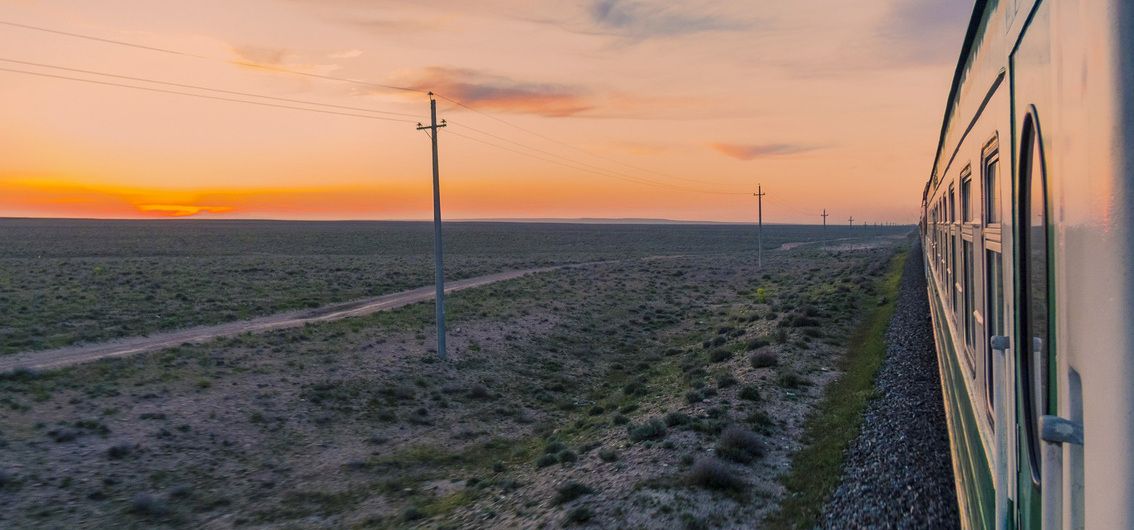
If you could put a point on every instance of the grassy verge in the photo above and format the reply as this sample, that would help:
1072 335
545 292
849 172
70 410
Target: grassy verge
817 467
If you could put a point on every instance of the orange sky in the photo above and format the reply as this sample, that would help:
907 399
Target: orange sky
827 103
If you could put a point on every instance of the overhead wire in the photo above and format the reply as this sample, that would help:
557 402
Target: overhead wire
201 96
573 163
249 64
205 88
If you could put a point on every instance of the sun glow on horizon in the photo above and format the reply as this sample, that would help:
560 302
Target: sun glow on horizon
610 121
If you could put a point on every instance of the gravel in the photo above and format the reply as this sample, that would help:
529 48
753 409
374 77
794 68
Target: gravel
898 472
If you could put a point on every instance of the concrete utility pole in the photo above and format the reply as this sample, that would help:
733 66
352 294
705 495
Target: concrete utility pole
852 221
824 218
431 130
760 225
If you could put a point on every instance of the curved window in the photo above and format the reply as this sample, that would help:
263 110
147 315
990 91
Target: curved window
1035 262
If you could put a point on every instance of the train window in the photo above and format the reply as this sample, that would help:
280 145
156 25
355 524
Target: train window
1034 274
967 292
952 204
994 280
992 188
967 198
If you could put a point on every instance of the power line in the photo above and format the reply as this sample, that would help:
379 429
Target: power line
588 167
596 172
329 78
198 87
208 58
202 96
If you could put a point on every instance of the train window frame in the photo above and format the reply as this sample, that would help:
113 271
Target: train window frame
995 322
968 301
991 173
1033 372
967 195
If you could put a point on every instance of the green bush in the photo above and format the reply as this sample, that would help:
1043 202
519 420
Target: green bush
650 430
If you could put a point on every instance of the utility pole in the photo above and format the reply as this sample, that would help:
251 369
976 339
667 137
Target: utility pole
824 218
760 225
852 221
439 281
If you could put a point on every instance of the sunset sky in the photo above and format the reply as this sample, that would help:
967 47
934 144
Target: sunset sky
664 109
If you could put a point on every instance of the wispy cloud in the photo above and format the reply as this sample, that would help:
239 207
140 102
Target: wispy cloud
924 31
498 93
752 152
345 54
258 57
389 26
638 19
181 210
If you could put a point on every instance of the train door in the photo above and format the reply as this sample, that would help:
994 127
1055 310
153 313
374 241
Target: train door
1033 354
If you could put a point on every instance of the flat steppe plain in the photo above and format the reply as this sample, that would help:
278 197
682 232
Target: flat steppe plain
663 387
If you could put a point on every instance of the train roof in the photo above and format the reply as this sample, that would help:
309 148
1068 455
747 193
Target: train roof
972 35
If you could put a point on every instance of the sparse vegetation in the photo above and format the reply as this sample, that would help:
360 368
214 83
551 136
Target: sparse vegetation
835 422
577 376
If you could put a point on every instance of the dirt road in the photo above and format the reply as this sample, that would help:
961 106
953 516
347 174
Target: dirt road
58 358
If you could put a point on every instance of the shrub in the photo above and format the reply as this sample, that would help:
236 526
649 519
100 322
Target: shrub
711 473
554 446
650 430
634 389
781 335
749 393
566 456
739 445
546 460
119 451
619 419
570 491
694 396
764 360
479 391
673 419
145 504
412 514
608 455
579 515
793 380
726 380
719 355
761 421
756 344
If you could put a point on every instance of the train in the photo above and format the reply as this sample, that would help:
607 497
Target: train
1029 255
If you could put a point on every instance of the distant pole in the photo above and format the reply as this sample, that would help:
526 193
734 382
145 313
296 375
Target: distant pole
439 280
760 225
824 218
852 221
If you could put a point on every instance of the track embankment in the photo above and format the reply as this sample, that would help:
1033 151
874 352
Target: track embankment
898 472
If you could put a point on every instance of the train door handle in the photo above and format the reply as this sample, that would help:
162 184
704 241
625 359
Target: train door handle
1054 432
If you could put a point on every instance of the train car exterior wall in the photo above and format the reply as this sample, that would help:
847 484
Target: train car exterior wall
1027 238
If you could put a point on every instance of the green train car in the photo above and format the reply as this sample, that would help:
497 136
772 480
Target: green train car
1026 227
